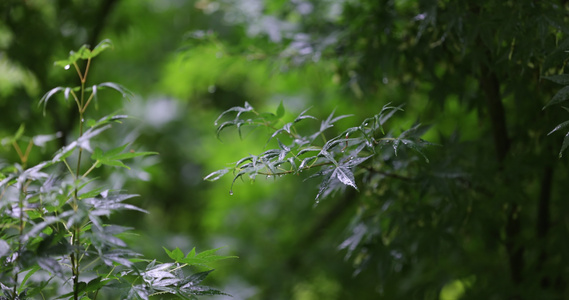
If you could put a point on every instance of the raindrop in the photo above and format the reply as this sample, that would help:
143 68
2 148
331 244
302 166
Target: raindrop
67 67
365 124
231 193
211 89
268 176
215 123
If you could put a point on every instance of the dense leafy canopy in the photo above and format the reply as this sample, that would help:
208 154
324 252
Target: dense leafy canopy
411 147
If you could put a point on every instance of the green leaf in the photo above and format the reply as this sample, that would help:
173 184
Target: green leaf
106 120
4 248
345 176
387 112
280 110
41 140
176 254
216 175
246 108
115 156
95 284
83 53
558 127
561 79
561 96
20 132
117 87
103 45
48 96
328 155
303 116
198 277
31 272
565 145
201 259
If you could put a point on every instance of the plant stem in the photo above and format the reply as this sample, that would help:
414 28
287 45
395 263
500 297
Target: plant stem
20 233
76 230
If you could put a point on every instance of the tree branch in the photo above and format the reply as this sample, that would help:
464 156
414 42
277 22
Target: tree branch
490 85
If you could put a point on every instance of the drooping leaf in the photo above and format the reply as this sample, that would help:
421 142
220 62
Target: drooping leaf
247 107
51 93
117 87
216 175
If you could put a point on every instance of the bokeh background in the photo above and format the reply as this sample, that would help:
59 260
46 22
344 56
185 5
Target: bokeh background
486 218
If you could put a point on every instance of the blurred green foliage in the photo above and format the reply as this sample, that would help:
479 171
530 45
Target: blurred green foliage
484 219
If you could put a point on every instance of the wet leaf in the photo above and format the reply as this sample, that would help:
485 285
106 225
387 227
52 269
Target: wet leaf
216 175
345 176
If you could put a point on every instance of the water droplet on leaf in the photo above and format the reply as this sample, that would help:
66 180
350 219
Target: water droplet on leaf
231 193
67 67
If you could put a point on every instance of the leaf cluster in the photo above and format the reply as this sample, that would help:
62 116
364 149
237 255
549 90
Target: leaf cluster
55 231
335 160
561 96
